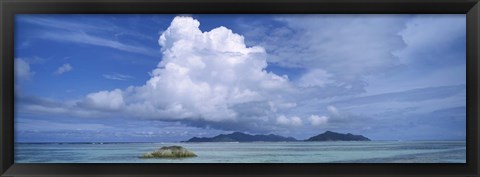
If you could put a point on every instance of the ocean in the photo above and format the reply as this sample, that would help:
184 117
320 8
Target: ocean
252 152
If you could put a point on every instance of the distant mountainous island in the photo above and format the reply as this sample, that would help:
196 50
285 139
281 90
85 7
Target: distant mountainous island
242 137
334 136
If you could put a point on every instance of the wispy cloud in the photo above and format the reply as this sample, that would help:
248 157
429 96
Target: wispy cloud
60 24
84 38
117 76
66 31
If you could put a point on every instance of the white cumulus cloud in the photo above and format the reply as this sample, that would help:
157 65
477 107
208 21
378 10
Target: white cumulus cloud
316 120
105 100
64 68
22 69
292 121
333 110
203 76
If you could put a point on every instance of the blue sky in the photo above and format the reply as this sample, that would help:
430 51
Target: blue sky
155 78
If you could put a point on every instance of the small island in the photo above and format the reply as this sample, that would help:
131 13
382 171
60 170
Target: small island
169 152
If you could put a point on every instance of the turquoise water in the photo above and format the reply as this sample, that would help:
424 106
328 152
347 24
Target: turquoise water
255 152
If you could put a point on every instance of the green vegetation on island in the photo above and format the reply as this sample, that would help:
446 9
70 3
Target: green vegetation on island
169 152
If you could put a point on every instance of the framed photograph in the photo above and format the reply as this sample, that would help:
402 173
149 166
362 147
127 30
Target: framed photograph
250 88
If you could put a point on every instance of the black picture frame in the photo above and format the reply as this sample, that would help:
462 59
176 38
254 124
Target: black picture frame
8 9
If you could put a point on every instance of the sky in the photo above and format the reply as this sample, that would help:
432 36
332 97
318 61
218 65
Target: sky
167 78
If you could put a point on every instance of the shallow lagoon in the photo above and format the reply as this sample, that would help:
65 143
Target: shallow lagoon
254 152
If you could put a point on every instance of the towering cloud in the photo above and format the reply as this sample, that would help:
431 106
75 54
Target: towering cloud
203 76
